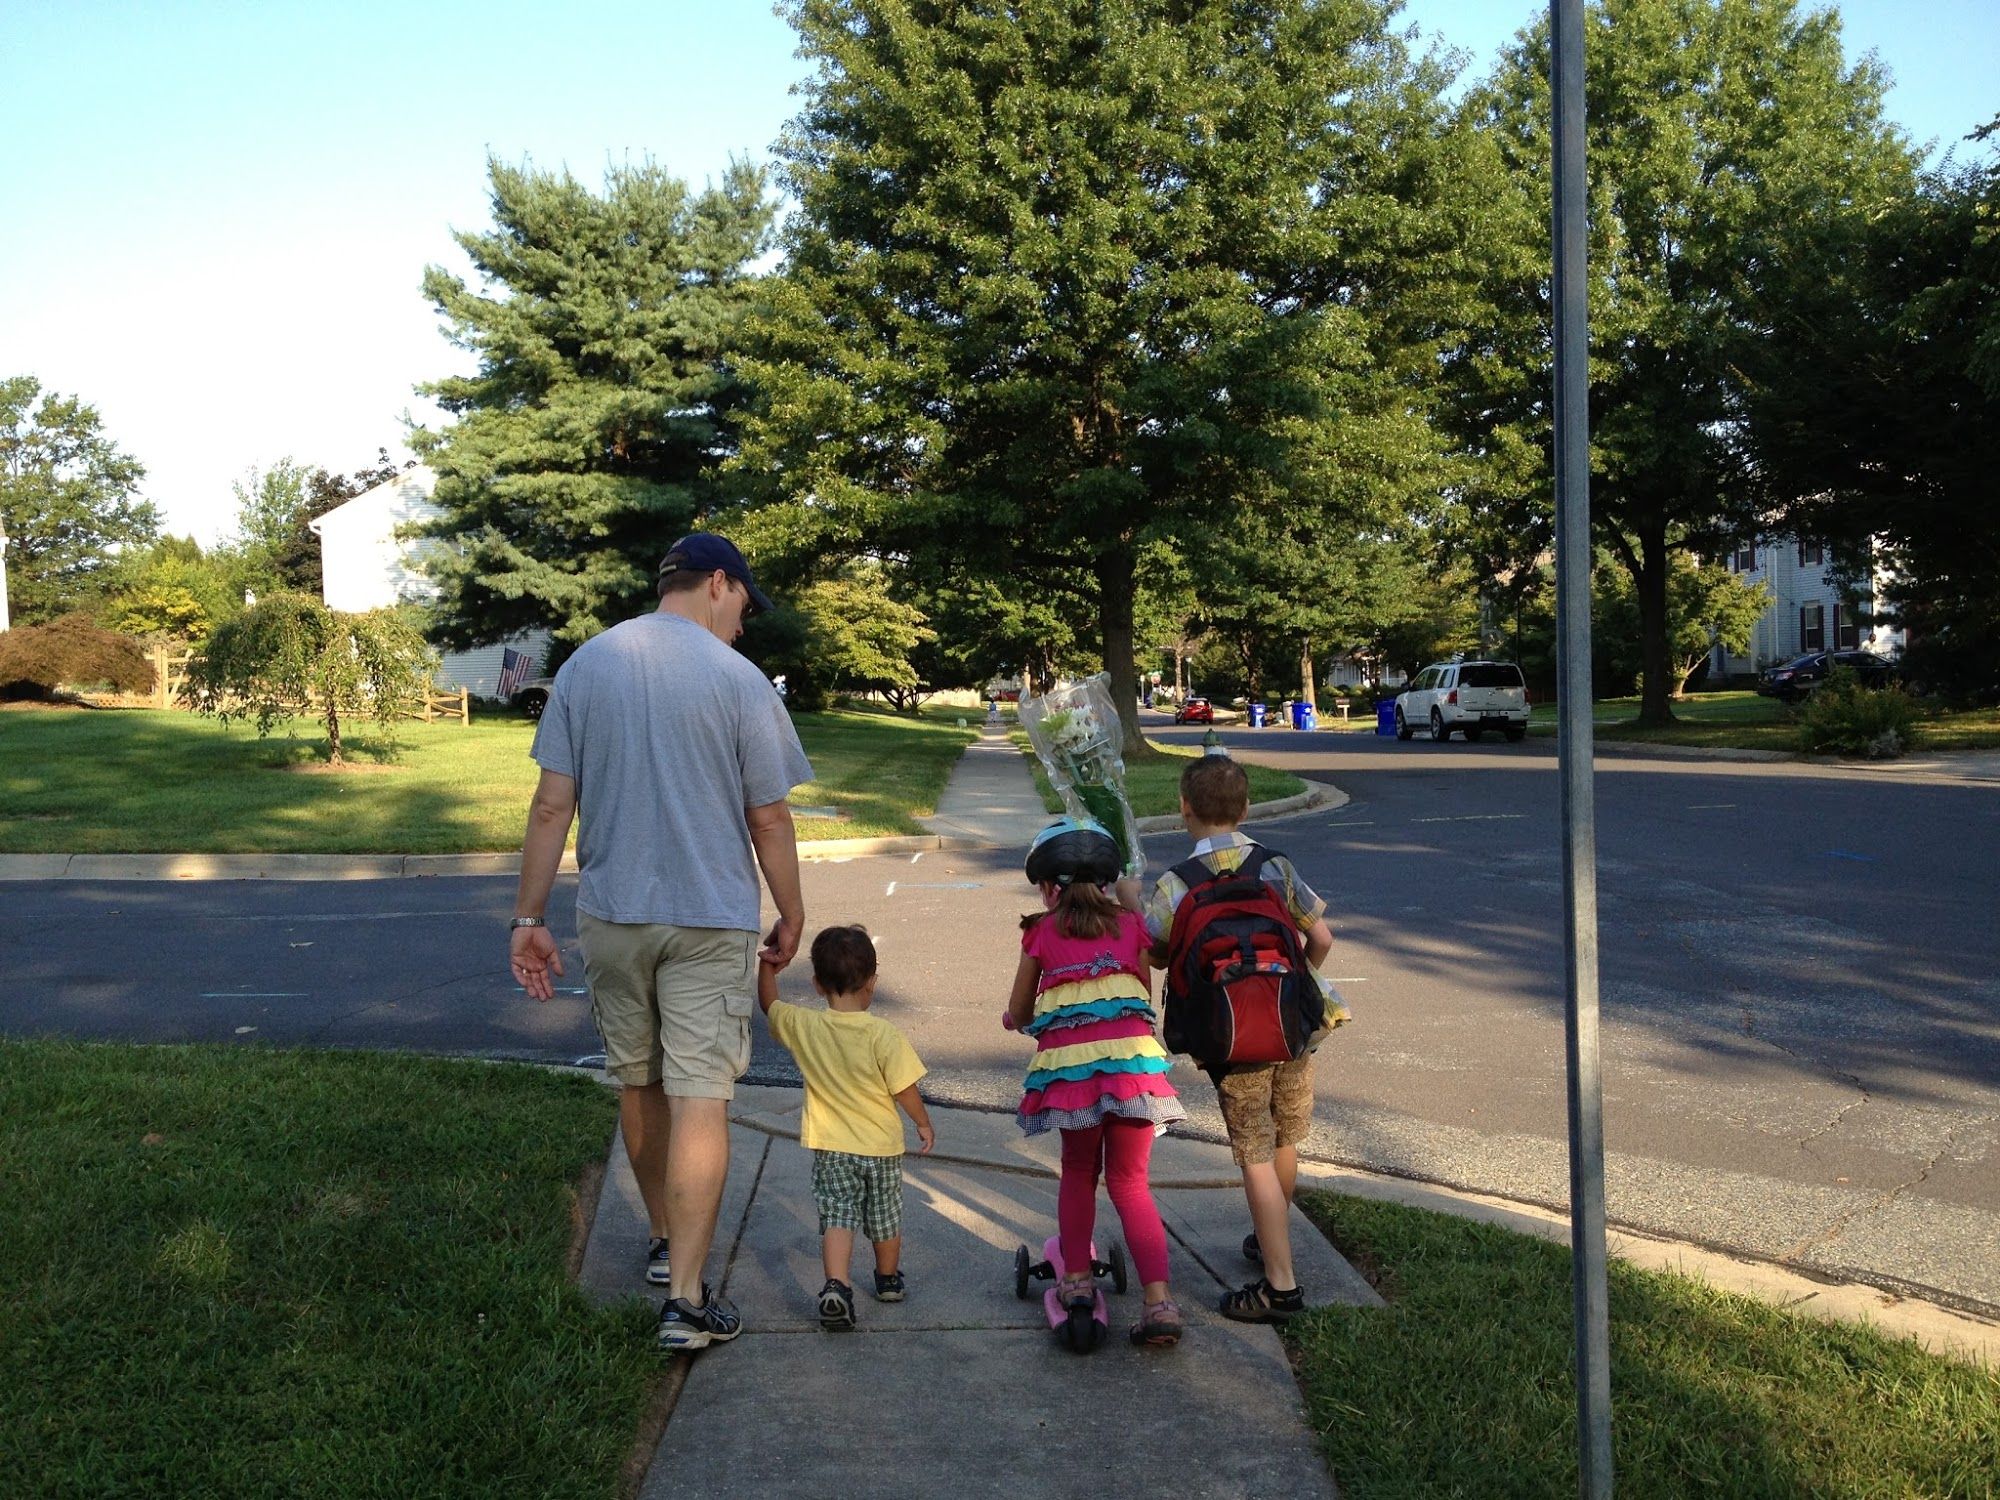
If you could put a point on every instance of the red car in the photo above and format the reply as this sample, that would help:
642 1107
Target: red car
1195 711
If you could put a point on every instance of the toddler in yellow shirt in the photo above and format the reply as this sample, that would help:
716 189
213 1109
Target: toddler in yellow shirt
857 1068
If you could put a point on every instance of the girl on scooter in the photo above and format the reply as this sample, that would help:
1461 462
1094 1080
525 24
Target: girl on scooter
1099 1075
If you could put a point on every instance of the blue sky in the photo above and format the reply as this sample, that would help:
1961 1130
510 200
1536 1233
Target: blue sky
216 215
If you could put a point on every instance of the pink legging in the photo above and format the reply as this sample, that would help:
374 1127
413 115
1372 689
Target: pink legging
1123 1147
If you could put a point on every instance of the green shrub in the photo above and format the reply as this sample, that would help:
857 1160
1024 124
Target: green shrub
1845 718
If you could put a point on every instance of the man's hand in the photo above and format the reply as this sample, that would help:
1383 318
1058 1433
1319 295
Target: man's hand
781 945
533 957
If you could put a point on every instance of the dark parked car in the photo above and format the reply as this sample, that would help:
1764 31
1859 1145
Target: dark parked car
1195 711
1793 680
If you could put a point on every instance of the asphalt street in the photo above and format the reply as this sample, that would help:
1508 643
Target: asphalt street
1801 1010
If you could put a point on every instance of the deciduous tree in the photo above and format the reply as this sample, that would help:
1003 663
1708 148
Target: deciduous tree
289 655
1075 275
1722 137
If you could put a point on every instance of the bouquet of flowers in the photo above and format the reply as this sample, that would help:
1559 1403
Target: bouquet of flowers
1076 733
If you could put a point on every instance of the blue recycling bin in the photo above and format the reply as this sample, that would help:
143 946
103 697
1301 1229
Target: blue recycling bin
1385 717
1257 715
1304 716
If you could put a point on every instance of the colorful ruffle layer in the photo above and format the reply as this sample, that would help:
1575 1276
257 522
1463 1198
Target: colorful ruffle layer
1091 1010
1104 1092
1161 1111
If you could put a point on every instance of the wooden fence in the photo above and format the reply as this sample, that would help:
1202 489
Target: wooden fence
429 705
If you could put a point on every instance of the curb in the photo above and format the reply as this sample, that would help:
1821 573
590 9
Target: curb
376 866
432 866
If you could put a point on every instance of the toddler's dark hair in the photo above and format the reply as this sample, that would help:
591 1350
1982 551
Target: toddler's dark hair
1216 790
843 959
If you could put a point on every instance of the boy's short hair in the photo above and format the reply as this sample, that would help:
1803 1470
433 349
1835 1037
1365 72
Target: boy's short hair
843 959
1216 790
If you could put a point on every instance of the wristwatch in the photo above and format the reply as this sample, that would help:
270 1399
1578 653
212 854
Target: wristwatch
527 922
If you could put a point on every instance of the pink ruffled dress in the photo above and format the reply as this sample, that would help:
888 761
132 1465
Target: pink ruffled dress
1096 1055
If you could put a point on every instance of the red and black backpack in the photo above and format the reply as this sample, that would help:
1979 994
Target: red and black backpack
1238 988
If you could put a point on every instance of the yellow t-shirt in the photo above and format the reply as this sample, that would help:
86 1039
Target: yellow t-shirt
854 1065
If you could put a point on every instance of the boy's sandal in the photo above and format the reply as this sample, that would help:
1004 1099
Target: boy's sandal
1159 1324
1259 1302
1252 1251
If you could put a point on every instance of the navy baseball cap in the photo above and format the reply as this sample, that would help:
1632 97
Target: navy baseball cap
704 552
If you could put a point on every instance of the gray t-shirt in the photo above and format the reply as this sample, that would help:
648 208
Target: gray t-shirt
669 735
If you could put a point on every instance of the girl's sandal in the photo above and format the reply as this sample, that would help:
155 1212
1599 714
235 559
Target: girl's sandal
1079 1287
1159 1324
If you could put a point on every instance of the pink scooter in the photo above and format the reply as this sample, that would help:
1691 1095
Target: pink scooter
1079 1329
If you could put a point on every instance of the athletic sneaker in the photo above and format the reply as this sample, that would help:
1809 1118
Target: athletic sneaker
1260 1302
656 1262
889 1288
836 1306
684 1328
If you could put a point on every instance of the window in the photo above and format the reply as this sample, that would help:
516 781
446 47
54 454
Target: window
1745 560
1811 554
1812 627
1489 674
1846 629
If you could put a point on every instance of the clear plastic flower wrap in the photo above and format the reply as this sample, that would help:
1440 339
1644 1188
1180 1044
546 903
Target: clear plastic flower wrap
1076 733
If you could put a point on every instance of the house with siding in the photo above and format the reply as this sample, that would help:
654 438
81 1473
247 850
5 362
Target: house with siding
368 564
1806 612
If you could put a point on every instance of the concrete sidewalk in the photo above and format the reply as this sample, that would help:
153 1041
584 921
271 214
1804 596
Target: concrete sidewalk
990 796
961 1390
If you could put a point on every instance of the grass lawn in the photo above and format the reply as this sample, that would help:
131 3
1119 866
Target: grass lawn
1153 786
1745 721
255 1273
1463 1385
144 781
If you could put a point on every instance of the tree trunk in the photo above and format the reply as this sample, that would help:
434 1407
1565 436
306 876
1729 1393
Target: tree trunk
1655 659
1116 587
333 730
1306 693
1180 683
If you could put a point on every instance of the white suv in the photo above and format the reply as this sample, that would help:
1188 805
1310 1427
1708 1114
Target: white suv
1467 696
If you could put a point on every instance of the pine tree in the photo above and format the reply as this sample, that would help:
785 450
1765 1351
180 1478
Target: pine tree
588 437
69 501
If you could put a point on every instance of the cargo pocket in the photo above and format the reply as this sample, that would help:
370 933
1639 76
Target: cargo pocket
737 1003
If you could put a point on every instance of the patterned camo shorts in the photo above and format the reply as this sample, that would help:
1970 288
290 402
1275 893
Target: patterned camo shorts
1265 1107
859 1192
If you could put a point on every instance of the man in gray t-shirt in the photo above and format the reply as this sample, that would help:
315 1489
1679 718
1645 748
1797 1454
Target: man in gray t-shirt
677 754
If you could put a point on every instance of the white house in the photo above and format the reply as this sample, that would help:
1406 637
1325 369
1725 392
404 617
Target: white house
1806 612
366 565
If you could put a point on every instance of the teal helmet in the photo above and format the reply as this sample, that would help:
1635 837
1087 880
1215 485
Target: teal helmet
1072 849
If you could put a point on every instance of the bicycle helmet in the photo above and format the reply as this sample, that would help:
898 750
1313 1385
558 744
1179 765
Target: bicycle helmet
1073 849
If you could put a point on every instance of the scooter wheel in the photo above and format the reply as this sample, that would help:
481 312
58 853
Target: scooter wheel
1118 1276
1082 1332
1021 1272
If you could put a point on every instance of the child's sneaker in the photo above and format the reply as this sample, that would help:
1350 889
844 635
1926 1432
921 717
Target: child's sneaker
656 1262
684 1328
889 1287
1259 1302
1159 1325
836 1306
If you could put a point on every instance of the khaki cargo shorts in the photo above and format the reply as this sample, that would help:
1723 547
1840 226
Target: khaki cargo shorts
1265 1107
672 1003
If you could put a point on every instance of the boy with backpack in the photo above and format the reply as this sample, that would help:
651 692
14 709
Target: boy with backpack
1240 937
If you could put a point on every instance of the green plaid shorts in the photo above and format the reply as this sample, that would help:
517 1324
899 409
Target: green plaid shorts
859 1192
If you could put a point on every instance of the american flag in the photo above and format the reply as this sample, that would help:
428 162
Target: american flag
513 667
